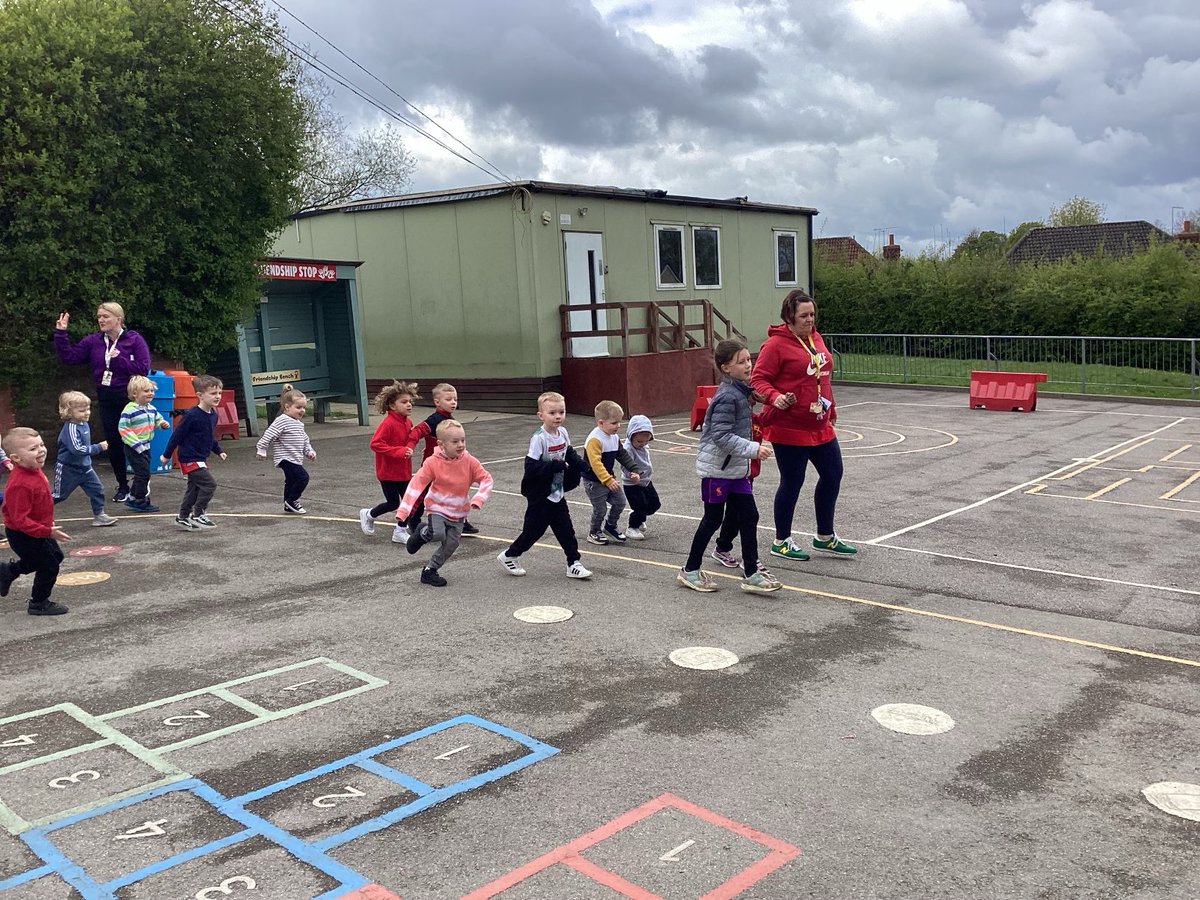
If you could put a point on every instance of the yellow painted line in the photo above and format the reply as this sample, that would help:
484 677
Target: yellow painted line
1105 459
1105 490
897 607
1175 453
1179 487
1118 502
1145 469
1037 488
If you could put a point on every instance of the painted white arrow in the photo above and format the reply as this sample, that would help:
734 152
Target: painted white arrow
450 753
670 856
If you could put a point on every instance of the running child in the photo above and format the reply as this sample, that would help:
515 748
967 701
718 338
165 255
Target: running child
445 480
136 427
445 402
29 524
73 462
291 447
723 464
196 437
639 491
393 455
602 449
552 468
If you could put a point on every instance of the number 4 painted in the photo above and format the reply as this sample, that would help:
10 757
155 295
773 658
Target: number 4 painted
146 829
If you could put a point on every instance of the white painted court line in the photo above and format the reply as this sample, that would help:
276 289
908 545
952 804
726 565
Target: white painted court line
1040 412
1020 487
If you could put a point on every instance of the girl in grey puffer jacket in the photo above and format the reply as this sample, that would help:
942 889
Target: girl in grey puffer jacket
723 464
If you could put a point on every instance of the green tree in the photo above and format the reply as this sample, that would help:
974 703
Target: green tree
148 152
1077 211
980 243
1019 232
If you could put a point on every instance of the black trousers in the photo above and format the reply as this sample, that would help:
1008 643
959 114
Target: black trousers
393 492
111 401
200 489
295 480
741 507
40 556
643 503
540 515
140 463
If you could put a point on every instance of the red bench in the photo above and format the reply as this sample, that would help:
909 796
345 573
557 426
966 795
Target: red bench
1007 391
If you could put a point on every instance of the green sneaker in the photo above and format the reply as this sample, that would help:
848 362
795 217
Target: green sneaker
697 581
788 549
834 545
758 583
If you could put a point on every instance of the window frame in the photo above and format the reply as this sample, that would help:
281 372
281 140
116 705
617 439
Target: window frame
776 234
716 229
678 228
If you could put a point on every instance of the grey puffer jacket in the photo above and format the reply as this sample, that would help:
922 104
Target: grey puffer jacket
725 445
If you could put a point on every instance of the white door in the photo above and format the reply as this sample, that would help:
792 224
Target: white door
585 284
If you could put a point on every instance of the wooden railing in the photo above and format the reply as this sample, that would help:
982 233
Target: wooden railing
650 326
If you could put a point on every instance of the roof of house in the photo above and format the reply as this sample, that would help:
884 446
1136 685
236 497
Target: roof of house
843 250
1113 238
550 187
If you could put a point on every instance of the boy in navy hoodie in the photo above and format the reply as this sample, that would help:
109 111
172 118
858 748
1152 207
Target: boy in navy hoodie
195 438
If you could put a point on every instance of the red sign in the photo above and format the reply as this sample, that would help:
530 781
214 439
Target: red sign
298 270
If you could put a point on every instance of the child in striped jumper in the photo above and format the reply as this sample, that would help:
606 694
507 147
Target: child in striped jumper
291 446
136 427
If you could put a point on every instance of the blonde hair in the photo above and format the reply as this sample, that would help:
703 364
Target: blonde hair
550 397
290 395
69 400
387 396
202 383
115 308
138 383
443 388
445 425
608 410
19 432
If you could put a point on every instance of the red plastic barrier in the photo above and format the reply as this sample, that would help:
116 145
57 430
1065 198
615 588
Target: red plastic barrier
228 424
704 395
1006 391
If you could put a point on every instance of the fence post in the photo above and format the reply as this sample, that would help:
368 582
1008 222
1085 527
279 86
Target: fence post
1083 365
903 357
987 351
1192 367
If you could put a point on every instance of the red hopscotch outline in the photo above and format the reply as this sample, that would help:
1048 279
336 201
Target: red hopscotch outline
370 892
568 854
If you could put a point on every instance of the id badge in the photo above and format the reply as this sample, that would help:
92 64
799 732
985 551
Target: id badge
816 408
106 378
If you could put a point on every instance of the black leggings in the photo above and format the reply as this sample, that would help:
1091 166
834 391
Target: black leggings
111 402
741 507
295 480
40 557
393 492
792 461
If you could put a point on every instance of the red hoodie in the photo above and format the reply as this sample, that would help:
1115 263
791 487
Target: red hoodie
28 506
784 365
389 443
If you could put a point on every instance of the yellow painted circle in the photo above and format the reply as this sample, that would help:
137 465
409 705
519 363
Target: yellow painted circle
77 578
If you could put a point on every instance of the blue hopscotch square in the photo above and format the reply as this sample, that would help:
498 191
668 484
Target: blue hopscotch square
497 751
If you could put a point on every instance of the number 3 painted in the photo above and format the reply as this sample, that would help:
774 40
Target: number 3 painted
226 887
74 778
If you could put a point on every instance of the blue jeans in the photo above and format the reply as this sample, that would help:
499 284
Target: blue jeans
793 461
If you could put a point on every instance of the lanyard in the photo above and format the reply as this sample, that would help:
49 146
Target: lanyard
816 358
108 349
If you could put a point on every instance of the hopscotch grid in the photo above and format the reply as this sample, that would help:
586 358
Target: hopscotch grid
403 779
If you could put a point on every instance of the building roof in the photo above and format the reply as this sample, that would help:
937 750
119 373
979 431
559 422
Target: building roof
644 195
842 250
1113 238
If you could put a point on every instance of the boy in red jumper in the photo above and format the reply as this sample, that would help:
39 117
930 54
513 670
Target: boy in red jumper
445 402
445 480
393 455
29 523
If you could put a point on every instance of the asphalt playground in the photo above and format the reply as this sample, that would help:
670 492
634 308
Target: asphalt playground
277 708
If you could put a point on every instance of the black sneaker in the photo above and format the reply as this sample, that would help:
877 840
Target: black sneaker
46 608
468 528
294 508
120 496
202 521
612 532
6 578
417 540
142 506
186 523
431 576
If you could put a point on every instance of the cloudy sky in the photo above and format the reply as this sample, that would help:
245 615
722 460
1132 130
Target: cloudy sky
926 118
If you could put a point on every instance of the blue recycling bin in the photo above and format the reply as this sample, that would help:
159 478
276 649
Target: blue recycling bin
164 402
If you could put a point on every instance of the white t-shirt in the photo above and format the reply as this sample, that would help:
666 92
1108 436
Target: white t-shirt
545 446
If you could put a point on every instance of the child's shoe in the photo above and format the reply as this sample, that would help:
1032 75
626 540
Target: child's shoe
366 522
294 508
6 578
102 520
202 521
416 540
121 495
758 583
46 608
511 566
576 570
697 581
727 559
834 545
635 534
399 535
431 576
767 573
612 532
788 549
597 537
186 523
142 506
468 528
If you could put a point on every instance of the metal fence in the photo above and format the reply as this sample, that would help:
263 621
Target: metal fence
1132 367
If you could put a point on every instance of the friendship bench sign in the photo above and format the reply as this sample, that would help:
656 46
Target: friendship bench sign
301 271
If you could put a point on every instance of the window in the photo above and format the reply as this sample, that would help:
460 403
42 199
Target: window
668 257
785 258
706 254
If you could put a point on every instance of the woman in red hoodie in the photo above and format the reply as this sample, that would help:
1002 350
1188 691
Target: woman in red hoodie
792 373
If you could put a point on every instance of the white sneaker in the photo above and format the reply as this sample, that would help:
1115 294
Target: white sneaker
399 535
635 534
365 520
576 570
511 566
103 520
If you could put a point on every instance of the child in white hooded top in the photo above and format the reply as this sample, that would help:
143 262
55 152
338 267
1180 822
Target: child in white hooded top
642 497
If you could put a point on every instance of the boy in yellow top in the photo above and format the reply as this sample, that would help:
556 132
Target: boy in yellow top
601 450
